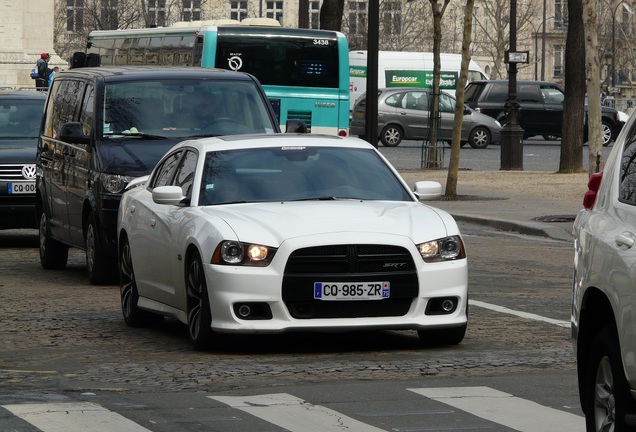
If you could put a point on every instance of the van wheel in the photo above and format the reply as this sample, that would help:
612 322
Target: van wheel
479 138
53 254
391 136
605 394
101 270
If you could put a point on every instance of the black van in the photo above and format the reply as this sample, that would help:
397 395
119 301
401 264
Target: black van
104 126
541 107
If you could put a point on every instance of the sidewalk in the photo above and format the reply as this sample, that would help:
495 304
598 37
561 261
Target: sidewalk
528 202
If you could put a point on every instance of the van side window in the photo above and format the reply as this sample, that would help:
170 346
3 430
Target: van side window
87 111
529 93
63 105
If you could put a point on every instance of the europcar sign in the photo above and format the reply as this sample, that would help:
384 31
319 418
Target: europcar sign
420 78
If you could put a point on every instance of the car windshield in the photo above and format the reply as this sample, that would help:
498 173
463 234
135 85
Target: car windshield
155 109
20 118
296 174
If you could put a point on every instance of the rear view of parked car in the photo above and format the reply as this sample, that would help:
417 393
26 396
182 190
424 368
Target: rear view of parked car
404 114
104 126
604 291
20 117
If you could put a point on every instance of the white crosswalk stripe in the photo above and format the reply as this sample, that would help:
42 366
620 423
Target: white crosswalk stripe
505 409
73 417
294 414
297 415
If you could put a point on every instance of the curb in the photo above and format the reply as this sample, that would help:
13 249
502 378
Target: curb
540 229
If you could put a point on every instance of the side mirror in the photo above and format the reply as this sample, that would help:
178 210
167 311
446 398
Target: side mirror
72 133
169 195
295 126
427 190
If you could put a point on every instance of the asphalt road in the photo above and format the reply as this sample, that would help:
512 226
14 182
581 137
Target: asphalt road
538 155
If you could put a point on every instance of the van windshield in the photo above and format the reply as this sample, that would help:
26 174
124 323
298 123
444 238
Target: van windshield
181 109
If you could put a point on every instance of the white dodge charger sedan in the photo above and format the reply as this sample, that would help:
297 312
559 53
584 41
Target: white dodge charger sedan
274 233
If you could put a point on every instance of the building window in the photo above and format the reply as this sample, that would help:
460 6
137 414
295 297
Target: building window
391 17
108 15
558 61
74 15
314 14
238 10
357 17
157 12
275 10
191 10
560 13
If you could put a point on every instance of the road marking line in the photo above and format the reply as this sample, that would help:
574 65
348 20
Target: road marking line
527 315
503 408
294 414
73 417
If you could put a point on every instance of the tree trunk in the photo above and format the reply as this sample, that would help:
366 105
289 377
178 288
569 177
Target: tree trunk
331 14
453 167
573 110
595 141
432 156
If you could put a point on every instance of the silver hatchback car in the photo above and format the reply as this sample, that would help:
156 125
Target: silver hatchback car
403 113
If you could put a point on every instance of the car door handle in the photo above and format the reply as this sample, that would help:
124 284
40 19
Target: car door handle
153 222
624 241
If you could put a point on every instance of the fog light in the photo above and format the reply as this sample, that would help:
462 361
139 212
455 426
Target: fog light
244 311
448 305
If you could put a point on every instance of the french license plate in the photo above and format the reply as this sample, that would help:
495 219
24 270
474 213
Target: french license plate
21 188
351 290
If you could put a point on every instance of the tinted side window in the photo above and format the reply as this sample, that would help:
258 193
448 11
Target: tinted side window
627 184
185 174
498 93
393 100
62 105
88 111
529 93
164 174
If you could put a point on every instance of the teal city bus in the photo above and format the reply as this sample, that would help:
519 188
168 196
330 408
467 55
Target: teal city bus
305 73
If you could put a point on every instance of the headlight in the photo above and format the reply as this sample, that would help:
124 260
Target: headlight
231 252
113 183
446 249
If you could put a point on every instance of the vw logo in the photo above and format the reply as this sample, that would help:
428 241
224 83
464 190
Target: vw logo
28 172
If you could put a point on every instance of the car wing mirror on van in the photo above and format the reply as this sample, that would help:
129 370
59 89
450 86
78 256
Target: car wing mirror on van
295 126
72 133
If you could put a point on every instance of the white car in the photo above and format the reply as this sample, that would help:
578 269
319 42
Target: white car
266 234
604 291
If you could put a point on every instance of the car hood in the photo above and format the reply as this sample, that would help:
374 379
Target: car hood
18 150
272 223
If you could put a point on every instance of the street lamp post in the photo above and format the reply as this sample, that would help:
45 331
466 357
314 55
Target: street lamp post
512 133
614 10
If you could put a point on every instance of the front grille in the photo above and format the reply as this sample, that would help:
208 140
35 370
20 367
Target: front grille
349 263
12 172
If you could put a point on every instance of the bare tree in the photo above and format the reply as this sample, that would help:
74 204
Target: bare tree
331 14
453 167
593 84
573 110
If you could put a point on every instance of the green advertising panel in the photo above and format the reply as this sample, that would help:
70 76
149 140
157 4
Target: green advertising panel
420 78
358 71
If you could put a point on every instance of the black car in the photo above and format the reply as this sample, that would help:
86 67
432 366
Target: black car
104 126
541 107
20 117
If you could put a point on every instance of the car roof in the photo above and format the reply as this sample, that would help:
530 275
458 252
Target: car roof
256 141
518 82
163 72
26 94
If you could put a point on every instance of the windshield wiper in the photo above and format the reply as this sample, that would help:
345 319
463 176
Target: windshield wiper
143 135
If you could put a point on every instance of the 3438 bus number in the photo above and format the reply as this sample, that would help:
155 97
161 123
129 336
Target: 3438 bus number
321 41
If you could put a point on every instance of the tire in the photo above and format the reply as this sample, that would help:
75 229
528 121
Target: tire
605 394
101 268
391 136
440 337
53 254
606 133
199 315
479 138
133 316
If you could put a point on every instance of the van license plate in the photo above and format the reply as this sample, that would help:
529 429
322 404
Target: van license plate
21 188
351 290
